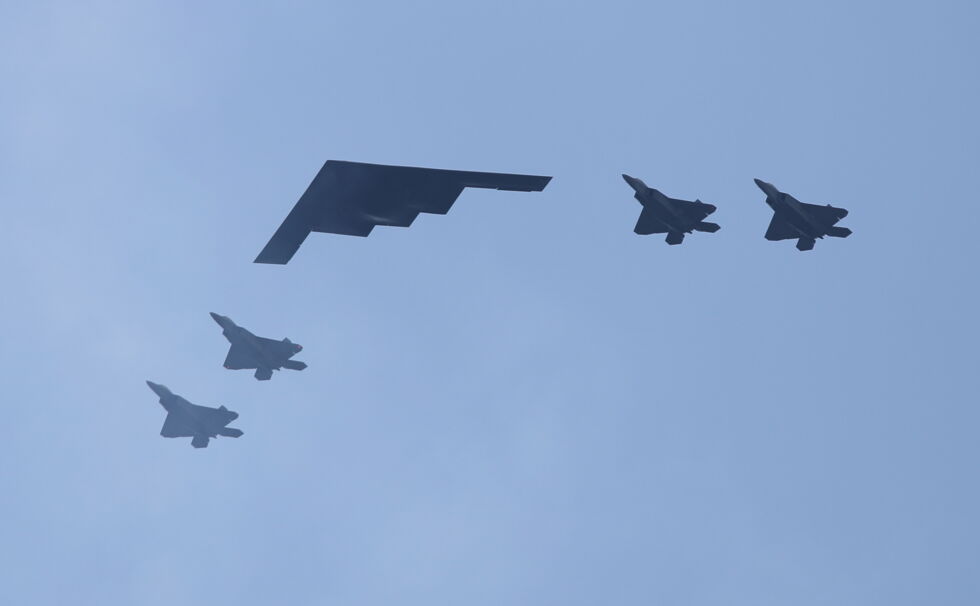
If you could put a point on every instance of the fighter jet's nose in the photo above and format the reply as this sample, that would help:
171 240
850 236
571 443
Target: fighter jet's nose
156 387
759 182
217 318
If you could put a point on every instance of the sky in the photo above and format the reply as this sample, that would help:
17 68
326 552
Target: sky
521 402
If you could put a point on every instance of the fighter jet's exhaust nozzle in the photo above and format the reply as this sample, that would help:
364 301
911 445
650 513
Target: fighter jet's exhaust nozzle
294 365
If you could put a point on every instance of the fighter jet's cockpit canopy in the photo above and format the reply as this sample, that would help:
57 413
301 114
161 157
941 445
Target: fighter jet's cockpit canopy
351 198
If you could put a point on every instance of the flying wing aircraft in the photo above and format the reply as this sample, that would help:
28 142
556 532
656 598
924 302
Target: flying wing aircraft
797 220
352 198
663 215
250 351
186 420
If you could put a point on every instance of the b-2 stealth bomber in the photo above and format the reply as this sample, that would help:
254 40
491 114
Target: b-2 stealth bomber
351 198
249 351
186 420
663 215
797 220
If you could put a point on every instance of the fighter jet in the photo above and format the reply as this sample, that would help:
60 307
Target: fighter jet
186 420
671 216
249 351
793 219
351 198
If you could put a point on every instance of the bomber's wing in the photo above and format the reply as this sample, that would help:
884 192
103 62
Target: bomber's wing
176 426
238 358
277 348
648 223
825 216
780 228
352 197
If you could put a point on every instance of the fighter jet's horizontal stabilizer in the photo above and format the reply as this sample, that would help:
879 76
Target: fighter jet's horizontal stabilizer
351 198
663 215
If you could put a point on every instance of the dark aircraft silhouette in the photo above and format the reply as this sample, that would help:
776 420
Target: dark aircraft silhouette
186 420
351 198
663 215
804 222
249 351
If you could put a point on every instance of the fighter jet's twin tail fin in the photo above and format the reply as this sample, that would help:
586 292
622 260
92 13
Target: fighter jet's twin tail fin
707 227
838 232
294 365
675 237
230 432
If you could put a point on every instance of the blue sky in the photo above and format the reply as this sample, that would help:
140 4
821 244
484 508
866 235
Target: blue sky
521 402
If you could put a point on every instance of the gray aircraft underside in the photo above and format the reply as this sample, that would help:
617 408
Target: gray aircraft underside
663 215
351 198
186 420
248 351
795 220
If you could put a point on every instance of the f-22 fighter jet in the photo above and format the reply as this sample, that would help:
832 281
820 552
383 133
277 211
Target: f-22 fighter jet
797 220
249 351
663 215
186 420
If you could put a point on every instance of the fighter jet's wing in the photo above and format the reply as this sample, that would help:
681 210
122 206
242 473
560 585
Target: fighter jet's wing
351 198
277 348
648 223
693 212
238 358
174 426
780 228
825 216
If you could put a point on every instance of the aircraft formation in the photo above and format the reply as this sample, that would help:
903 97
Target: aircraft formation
351 198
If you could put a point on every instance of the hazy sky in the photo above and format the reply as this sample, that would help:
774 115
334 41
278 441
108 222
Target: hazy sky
522 402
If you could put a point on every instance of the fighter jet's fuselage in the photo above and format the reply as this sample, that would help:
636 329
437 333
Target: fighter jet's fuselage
662 214
794 213
803 222
200 422
250 351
